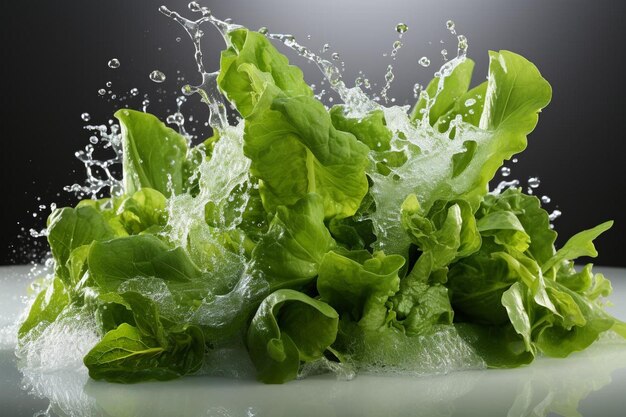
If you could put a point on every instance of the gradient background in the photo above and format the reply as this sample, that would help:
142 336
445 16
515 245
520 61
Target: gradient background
54 59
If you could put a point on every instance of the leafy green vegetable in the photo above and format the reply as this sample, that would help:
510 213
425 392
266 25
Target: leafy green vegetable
46 307
115 261
452 88
128 355
153 153
359 234
289 327
292 249
70 228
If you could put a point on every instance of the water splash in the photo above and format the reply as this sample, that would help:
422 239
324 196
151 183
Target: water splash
100 177
208 89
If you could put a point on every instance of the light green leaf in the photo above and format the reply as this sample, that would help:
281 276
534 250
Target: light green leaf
291 251
581 244
452 88
154 154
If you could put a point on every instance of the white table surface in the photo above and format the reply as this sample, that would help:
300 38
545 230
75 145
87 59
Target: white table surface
590 383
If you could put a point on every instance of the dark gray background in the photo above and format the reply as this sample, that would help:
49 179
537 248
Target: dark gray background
54 59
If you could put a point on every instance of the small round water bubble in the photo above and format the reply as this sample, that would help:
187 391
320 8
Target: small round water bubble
85 116
505 171
470 102
444 54
145 105
109 84
157 76
102 91
533 182
114 63
178 39
93 140
401 28
263 30
134 91
424 62
545 199
335 56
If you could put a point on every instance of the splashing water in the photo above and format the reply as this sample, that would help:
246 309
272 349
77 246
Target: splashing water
100 177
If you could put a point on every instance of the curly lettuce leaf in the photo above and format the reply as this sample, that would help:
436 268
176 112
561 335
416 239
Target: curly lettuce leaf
289 327
460 168
358 284
291 251
295 150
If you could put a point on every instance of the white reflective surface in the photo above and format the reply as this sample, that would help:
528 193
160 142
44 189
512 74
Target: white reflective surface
591 383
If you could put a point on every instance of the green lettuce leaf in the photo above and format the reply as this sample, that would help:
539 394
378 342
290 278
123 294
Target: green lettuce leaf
291 251
128 355
154 154
252 61
295 150
289 327
70 228
452 88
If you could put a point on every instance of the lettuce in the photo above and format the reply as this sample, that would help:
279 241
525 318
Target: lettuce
308 234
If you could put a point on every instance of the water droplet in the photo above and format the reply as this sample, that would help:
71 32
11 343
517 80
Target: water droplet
145 105
109 84
157 76
401 28
85 116
180 100
545 199
505 171
514 160
444 54
102 91
470 102
424 61
263 30
335 56
416 90
554 215
114 63
462 44
325 47
134 91
178 39
451 27
93 140
533 182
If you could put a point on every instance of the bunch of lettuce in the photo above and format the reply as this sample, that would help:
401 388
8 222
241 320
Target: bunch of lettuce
350 246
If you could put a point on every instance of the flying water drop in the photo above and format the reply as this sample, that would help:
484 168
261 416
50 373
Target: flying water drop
157 76
401 28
